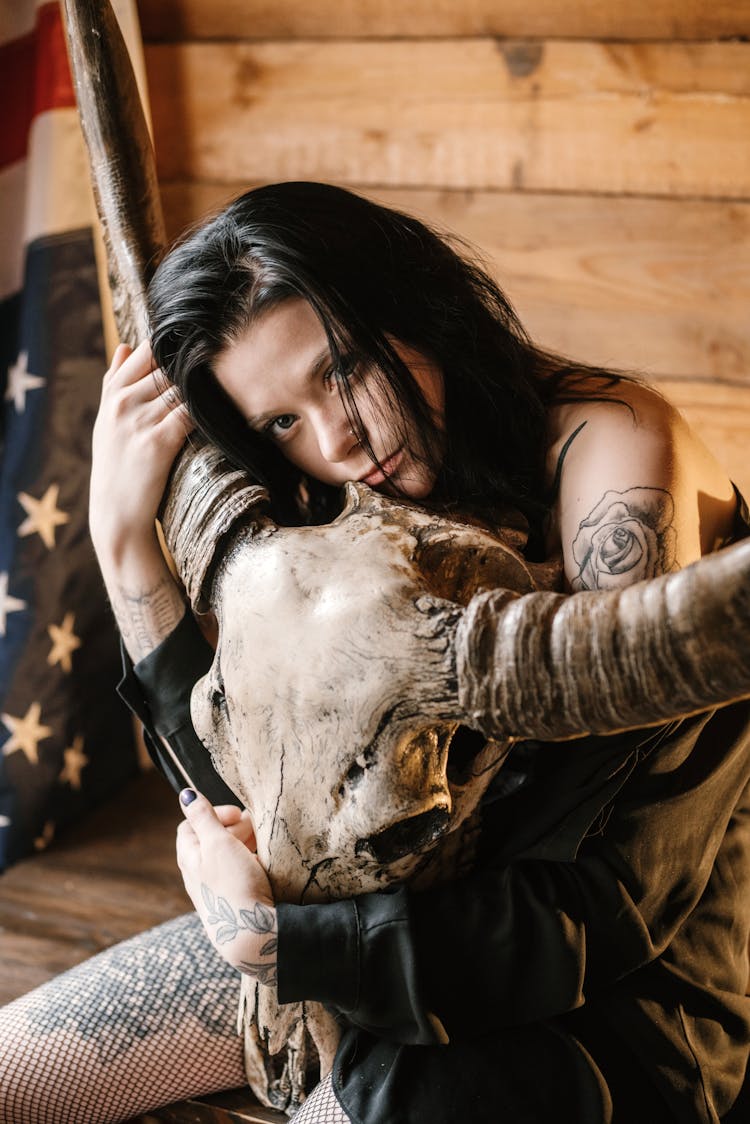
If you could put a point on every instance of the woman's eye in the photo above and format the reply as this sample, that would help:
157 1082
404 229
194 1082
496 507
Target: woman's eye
282 424
343 371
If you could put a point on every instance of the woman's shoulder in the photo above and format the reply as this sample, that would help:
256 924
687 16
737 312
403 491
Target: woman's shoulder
625 406
628 425
627 450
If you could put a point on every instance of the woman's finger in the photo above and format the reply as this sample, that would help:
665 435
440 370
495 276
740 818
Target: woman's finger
122 351
199 813
187 846
244 830
135 365
228 813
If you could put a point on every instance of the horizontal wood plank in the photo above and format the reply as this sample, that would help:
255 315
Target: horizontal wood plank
564 19
669 119
653 285
721 415
235 1107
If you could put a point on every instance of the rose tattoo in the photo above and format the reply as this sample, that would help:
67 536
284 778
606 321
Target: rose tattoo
628 537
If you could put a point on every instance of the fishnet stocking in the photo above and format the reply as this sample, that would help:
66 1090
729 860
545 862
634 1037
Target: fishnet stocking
321 1107
147 1022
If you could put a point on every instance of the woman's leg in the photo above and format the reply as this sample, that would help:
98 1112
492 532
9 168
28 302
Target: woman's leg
149 1021
321 1107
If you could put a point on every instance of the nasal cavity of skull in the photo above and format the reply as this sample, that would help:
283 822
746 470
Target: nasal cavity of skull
465 747
407 837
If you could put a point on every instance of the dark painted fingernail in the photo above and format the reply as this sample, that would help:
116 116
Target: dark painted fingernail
187 796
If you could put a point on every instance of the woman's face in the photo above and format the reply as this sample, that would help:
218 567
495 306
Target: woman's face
279 375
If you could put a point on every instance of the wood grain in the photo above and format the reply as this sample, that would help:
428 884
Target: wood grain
652 285
112 876
668 119
721 415
235 1107
564 19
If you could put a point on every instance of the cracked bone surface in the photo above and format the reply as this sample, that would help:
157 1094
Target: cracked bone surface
331 707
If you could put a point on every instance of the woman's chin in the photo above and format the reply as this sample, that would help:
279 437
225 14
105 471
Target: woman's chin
415 485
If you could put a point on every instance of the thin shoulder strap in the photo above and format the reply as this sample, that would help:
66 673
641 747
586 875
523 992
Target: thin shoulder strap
555 486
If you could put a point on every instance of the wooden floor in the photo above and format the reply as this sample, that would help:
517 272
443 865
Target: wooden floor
101 882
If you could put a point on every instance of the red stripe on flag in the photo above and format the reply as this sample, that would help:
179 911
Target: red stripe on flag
34 77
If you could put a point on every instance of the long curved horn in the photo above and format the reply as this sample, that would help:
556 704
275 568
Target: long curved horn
552 667
205 495
121 157
206 502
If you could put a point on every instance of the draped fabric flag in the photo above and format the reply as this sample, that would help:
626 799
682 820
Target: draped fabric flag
65 738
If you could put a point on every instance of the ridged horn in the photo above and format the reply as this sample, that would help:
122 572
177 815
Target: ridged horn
552 667
206 501
205 496
123 172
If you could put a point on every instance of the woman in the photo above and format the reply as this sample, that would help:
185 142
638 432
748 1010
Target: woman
597 959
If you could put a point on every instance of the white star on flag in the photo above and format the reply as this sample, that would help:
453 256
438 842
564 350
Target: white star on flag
26 733
43 515
19 381
64 642
8 604
75 761
5 821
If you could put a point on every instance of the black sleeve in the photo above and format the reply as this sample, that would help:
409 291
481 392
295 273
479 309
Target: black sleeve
530 939
358 957
157 690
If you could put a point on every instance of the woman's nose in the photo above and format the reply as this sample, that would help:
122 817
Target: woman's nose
336 438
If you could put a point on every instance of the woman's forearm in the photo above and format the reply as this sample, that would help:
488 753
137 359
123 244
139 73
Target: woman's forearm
146 601
138 432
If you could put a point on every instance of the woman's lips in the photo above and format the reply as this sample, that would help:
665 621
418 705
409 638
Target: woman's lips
388 467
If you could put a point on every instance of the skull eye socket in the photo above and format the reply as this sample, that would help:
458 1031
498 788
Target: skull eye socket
456 569
465 747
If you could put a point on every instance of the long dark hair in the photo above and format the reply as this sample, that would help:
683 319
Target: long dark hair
373 275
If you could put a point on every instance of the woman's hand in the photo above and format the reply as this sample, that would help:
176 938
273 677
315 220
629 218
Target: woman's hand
227 885
140 428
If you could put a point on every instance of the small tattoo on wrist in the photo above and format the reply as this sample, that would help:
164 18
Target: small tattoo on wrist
260 919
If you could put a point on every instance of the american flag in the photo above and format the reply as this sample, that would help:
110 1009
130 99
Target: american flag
65 739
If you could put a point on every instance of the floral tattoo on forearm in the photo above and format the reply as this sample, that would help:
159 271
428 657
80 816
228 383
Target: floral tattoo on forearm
260 919
628 537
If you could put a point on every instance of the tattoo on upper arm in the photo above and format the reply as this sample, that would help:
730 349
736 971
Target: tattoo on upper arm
629 536
260 919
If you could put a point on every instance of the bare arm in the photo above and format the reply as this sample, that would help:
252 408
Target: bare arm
639 495
139 430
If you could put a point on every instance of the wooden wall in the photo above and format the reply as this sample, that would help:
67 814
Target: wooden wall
597 151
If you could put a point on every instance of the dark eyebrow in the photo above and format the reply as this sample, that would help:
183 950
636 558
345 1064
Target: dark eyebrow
261 419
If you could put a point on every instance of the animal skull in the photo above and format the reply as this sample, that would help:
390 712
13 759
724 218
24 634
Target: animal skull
331 706
349 656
